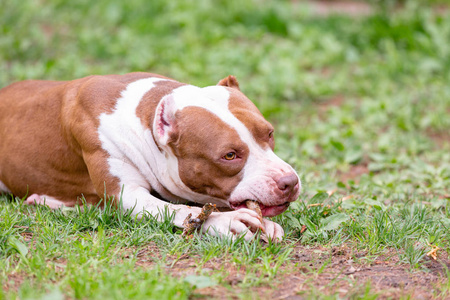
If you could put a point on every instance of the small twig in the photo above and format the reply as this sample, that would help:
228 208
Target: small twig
22 227
433 251
331 192
192 224
314 204
347 198
303 229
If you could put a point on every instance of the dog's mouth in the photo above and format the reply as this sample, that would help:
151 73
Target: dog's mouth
267 211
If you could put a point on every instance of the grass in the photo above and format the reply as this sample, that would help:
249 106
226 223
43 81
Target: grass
361 109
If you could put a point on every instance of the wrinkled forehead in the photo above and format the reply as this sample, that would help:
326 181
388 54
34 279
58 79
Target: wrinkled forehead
230 105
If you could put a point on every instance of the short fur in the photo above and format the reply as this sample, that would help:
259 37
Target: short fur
143 135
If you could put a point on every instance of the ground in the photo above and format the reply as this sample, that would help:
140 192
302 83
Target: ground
331 271
342 273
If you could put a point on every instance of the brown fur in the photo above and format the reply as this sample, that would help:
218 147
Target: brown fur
229 81
244 109
200 147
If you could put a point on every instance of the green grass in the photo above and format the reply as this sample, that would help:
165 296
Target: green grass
345 93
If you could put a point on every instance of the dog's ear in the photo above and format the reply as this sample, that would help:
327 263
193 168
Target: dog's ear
165 126
230 81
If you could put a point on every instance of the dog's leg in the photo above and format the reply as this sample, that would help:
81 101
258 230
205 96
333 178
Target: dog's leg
51 202
219 223
127 183
3 188
141 202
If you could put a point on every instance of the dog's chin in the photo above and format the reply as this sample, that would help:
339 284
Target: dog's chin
267 211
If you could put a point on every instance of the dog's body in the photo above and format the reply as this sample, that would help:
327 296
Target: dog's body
148 137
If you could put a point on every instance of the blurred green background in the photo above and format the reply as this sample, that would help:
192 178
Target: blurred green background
366 87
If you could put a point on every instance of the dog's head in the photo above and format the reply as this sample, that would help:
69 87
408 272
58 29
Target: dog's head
219 148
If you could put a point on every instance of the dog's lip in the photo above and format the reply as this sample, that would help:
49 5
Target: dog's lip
267 211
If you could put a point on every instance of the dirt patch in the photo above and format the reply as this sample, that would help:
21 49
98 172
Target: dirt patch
441 138
334 101
351 8
13 281
354 173
349 272
311 271
145 257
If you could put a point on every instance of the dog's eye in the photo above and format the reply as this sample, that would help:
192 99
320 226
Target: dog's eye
270 134
230 156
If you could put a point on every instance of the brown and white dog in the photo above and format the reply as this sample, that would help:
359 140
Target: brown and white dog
144 137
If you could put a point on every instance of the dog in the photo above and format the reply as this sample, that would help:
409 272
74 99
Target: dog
151 141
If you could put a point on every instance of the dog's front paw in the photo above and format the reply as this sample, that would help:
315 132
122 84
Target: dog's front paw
273 231
241 221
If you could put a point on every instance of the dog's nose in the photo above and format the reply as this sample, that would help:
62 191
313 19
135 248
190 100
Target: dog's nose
287 182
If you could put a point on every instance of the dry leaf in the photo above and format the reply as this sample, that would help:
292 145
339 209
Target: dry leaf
433 251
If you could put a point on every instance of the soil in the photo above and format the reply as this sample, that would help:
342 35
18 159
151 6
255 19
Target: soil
441 139
351 8
319 270
346 272
310 271
354 173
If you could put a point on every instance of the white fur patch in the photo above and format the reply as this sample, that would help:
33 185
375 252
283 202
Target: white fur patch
51 202
3 188
214 99
260 172
133 153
